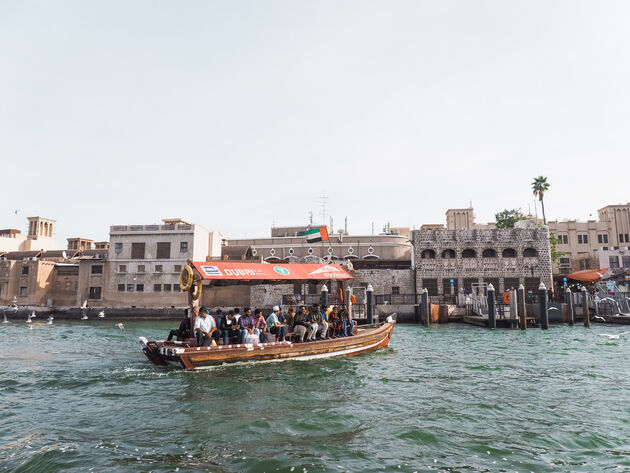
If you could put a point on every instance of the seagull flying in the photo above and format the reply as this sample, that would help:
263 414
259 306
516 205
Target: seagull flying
612 336
84 316
121 327
597 317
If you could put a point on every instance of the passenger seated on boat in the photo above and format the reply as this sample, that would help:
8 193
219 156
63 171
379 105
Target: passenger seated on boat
218 318
183 332
336 324
246 323
229 327
302 323
260 324
276 327
316 321
204 326
323 323
237 313
348 323
290 319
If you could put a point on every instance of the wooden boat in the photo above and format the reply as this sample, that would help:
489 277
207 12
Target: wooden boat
366 339
189 356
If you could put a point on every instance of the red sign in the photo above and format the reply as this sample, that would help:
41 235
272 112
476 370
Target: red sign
247 271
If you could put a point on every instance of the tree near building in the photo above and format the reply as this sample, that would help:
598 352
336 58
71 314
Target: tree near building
507 218
554 241
540 186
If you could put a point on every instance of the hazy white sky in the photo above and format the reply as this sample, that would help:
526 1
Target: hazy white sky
240 114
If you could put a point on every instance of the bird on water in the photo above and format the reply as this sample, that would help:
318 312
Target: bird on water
614 336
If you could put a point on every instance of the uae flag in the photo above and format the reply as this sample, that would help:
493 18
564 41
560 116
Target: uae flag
317 234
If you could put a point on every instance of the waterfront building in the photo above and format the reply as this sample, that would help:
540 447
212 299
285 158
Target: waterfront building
593 244
449 261
144 262
39 236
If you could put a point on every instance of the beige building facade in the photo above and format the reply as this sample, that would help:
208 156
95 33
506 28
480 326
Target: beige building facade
582 242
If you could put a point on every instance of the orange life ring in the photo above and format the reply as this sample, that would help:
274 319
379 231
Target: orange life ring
353 299
340 293
506 297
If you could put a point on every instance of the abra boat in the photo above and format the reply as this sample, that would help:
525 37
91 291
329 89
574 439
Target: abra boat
186 354
367 338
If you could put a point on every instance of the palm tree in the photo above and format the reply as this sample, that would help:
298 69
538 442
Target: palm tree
539 186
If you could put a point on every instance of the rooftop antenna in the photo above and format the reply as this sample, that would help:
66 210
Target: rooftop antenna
324 200
310 219
345 227
372 228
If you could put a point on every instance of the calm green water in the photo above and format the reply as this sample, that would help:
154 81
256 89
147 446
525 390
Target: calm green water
82 397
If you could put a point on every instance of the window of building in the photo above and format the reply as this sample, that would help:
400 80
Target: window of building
118 247
626 261
312 288
157 288
509 253
583 239
159 268
137 251
621 238
139 287
613 262
602 238
121 288
565 263
141 268
530 253
163 250
297 288
585 264
469 253
130 287
395 290
167 288
177 268
627 239
95 292
23 291
122 268
564 239
176 287
97 269
25 270
183 247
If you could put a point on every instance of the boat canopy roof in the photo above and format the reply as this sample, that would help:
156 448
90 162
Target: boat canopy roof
588 275
221 270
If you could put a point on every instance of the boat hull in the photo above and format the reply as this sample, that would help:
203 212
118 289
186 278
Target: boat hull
191 358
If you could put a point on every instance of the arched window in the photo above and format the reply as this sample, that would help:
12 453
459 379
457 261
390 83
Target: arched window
530 253
469 253
448 254
489 253
427 254
509 253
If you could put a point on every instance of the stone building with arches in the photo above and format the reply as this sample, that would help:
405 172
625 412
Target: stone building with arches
461 257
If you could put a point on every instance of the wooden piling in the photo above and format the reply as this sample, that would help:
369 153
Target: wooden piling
543 305
568 297
424 308
587 317
513 308
370 304
522 313
323 298
492 311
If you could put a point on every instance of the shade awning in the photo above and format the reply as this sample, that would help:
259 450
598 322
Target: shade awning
264 271
588 275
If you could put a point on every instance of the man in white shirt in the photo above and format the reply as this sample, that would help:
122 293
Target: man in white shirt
204 326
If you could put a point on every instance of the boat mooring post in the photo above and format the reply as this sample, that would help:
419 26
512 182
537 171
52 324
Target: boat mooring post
370 304
568 297
513 308
522 313
492 310
587 317
543 304
424 307
323 298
